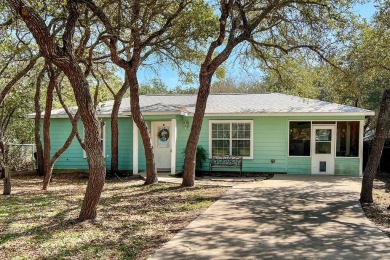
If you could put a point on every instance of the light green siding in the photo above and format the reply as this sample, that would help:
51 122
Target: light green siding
73 158
347 166
343 166
125 144
299 165
182 138
270 144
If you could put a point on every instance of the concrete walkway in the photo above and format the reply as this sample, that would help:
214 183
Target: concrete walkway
287 217
165 177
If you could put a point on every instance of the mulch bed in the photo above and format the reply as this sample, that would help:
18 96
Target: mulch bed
231 174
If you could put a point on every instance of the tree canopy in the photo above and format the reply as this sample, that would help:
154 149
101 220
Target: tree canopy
317 49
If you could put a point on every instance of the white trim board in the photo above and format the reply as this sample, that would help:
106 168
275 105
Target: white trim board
287 114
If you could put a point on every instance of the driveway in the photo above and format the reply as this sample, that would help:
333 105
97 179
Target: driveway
287 217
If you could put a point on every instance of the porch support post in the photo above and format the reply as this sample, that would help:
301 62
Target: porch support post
173 145
361 135
135 148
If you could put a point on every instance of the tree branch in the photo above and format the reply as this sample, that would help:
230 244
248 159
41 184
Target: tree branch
70 26
16 78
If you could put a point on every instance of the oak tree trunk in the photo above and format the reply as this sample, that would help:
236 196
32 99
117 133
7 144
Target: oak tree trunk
37 128
96 179
115 136
39 150
207 70
46 156
2 155
114 127
46 130
192 143
96 162
48 169
7 182
381 132
151 170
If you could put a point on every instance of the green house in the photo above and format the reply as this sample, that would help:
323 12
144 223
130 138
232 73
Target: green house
273 133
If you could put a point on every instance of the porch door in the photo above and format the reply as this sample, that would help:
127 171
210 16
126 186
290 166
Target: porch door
323 149
161 136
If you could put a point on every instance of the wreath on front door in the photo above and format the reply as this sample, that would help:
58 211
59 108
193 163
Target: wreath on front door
163 135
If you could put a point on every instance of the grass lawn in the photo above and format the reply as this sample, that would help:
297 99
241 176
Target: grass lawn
134 220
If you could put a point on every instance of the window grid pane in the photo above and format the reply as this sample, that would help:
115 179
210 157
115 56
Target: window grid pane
231 138
241 147
220 147
220 131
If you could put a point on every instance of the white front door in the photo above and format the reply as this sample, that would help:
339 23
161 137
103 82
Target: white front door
323 149
161 136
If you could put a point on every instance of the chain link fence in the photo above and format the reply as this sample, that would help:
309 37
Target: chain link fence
22 157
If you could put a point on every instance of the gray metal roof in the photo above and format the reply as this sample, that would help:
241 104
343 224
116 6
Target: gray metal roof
226 104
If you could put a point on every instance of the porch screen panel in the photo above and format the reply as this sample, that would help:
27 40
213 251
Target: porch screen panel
347 139
299 138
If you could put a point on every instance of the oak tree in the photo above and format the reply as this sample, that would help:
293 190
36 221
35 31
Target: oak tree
170 30
375 54
269 28
62 55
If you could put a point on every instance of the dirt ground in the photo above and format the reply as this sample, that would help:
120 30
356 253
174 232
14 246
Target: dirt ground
133 220
379 211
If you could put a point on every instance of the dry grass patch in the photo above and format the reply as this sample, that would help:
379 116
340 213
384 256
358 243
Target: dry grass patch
134 220
378 211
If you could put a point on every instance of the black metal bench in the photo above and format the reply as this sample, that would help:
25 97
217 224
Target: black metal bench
226 161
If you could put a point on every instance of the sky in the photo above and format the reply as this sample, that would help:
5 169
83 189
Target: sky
234 70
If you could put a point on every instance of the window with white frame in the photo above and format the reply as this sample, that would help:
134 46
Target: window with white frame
102 139
231 138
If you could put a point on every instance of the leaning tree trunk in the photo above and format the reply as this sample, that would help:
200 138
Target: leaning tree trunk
207 70
96 162
114 137
39 149
151 170
97 168
2 155
381 132
37 128
47 169
7 182
190 156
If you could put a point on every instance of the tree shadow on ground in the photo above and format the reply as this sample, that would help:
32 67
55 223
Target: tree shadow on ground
316 221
